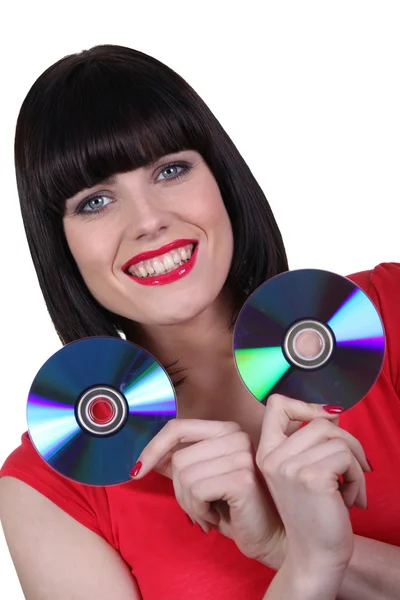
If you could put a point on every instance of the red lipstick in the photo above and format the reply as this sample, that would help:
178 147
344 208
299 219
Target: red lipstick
163 278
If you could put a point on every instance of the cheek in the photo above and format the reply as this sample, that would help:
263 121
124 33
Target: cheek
210 209
219 221
217 225
90 249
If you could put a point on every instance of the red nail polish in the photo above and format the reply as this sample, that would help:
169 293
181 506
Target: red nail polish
369 464
333 409
136 469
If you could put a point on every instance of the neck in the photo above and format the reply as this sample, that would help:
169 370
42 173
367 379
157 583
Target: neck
201 352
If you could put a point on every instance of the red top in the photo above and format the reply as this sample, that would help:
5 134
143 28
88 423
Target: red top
170 558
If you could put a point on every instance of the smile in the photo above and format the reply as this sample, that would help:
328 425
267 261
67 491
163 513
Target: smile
164 265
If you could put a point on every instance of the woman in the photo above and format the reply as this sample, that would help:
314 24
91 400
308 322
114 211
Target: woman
123 173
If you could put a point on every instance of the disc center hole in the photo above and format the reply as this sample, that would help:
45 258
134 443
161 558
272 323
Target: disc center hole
308 344
101 410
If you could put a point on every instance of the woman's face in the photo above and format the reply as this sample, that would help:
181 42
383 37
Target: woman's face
153 245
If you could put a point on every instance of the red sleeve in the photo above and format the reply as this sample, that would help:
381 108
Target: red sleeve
86 504
382 285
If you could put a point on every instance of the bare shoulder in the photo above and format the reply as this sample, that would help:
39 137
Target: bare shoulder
54 555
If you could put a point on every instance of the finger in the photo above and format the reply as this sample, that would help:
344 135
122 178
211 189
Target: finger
293 426
280 412
186 479
224 465
317 432
235 489
180 431
352 494
213 448
342 464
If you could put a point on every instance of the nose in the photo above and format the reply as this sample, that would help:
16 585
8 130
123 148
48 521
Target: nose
147 220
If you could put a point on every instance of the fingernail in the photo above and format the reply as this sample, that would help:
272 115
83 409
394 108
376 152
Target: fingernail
369 464
136 469
333 409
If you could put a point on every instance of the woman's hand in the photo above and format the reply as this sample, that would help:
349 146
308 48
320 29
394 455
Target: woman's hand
314 474
290 508
216 482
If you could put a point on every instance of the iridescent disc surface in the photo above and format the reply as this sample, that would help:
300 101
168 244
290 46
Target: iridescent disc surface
93 407
339 308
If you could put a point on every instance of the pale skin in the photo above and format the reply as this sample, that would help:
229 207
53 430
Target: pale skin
225 448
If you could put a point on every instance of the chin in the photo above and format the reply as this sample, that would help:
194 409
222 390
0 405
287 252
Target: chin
180 308
177 316
177 313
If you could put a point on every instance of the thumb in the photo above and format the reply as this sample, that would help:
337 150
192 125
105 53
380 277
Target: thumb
282 412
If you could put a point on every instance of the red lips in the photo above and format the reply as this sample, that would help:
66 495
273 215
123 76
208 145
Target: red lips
163 278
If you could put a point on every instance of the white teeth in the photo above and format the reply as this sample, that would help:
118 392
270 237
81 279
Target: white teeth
163 263
158 267
168 262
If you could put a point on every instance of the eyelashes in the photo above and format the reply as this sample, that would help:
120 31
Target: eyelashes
178 169
183 166
82 207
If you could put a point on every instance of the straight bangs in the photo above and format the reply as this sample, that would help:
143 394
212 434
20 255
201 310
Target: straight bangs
103 120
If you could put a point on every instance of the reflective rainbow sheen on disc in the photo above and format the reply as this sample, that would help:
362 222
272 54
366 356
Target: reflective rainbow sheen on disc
336 301
54 430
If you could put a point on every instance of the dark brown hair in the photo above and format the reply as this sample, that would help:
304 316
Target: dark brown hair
109 110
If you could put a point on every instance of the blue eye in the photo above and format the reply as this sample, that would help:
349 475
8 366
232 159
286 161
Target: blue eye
172 171
95 204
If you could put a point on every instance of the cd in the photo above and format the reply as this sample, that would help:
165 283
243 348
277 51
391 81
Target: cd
94 405
312 335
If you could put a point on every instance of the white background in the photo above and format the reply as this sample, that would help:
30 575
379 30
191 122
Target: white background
308 91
